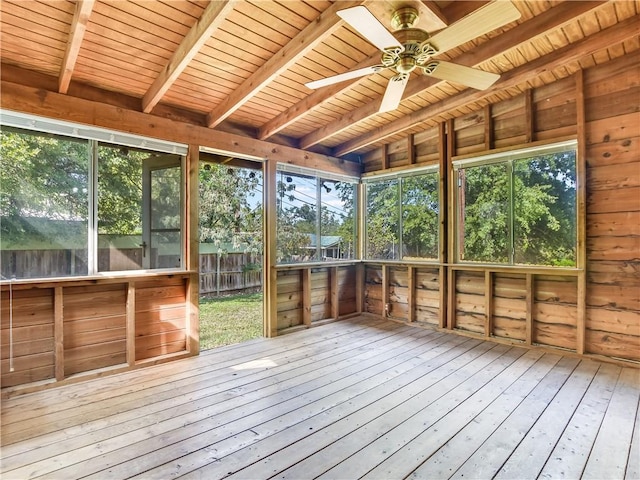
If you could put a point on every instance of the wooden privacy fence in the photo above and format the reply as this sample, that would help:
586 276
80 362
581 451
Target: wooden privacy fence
219 273
230 272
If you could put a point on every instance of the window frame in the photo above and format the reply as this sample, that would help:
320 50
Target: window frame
95 136
508 157
399 175
321 176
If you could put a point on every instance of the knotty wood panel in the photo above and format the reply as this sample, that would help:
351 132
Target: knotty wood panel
347 290
320 294
427 294
32 335
613 209
470 304
398 293
509 306
289 287
373 290
160 313
554 311
94 327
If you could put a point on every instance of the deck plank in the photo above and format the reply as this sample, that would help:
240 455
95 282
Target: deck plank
359 397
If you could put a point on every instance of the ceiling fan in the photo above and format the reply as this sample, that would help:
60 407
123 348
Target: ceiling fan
408 48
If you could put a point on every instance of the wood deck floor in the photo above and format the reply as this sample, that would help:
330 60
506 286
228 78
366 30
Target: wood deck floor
355 398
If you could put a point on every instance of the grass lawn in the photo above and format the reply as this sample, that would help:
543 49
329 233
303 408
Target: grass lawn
228 320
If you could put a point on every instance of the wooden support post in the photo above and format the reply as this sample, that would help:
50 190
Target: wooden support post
411 149
335 297
360 287
581 199
192 252
58 333
306 296
488 303
444 289
270 275
411 294
488 128
530 305
529 115
385 291
385 156
451 307
131 324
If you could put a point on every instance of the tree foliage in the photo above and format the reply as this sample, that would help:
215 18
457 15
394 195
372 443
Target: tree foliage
230 211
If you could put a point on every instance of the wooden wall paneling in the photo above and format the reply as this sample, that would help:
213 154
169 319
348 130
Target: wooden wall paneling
306 296
427 146
510 308
612 151
131 323
469 132
488 303
58 333
192 246
443 289
398 154
554 110
509 122
469 309
289 300
398 293
161 312
27 333
373 290
320 294
347 290
555 311
94 327
428 296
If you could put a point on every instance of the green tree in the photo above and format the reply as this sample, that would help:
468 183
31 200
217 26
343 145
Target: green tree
382 225
230 212
420 231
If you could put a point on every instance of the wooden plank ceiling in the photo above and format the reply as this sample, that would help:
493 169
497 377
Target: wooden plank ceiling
240 66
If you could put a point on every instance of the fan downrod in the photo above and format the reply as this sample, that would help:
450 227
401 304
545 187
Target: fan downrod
404 17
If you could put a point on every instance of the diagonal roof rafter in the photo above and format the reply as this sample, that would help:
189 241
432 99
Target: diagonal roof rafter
200 32
314 33
76 35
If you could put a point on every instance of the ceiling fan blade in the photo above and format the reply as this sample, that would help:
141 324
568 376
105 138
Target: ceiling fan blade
471 77
363 21
361 72
483 20
393 93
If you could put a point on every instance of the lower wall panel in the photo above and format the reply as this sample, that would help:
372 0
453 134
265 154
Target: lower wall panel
93 326
31 327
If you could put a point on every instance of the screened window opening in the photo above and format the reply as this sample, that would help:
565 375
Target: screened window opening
73 206
402 217
44 205
520 209
315 218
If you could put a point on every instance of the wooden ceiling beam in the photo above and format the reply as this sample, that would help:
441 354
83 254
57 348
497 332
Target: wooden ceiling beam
613 35
314 33
437 16
33 100
76 35
200 32
524 32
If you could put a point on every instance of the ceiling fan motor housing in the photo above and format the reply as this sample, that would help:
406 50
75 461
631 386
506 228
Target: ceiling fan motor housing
416 49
